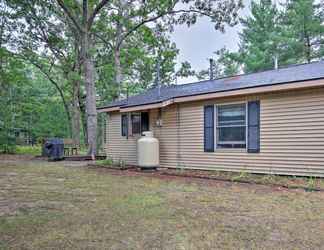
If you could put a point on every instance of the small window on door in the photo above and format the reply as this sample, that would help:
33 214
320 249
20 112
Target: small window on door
145 121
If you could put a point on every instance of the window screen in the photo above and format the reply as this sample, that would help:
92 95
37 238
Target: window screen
231 126
254 127
124 125
209 128
136 123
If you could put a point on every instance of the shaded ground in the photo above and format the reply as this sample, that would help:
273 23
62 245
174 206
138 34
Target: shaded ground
62 206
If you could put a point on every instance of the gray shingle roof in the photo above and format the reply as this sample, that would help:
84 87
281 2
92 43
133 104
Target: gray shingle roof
288 74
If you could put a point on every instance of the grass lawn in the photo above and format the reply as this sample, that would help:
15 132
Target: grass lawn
29 150
64 206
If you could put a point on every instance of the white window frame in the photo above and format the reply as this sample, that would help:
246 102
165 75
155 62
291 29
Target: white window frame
245 103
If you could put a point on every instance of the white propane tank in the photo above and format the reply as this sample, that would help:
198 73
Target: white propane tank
148 155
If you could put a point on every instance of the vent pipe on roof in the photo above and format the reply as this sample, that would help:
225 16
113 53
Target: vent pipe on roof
127 92
158 81
275 61
211 73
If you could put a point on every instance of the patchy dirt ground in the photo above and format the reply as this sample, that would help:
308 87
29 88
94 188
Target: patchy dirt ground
66 205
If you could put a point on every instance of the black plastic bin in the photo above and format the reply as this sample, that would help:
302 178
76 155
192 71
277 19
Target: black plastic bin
54 148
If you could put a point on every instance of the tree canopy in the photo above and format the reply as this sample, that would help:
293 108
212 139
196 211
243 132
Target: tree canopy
59 60
90 52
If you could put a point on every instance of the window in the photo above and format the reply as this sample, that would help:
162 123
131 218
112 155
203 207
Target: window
139 123
231 126
124 125
145 121
136 123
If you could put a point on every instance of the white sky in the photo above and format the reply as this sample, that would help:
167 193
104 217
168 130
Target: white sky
198 42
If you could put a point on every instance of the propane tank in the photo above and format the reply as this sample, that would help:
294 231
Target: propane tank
148 155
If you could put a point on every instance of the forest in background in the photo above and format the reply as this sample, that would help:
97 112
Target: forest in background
61 59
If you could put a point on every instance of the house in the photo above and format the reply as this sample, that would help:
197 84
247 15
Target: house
265 122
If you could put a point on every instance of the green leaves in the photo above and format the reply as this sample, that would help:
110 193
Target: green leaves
127 39
29 103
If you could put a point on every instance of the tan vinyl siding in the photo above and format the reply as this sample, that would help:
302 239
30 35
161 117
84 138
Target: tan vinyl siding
167 135
291 134
119 147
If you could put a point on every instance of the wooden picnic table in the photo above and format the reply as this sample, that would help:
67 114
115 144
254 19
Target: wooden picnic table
70 147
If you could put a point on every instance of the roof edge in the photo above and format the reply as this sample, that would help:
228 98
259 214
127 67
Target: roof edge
108 109
312 83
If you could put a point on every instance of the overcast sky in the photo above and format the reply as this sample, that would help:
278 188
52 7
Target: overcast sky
198 42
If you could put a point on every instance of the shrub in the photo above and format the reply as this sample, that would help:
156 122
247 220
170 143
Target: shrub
121 163
311 183
106 162
7 143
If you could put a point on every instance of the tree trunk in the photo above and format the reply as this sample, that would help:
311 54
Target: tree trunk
118 67
89 79
76 108
84 123
76 113
308 50
118 72
83 119
83 32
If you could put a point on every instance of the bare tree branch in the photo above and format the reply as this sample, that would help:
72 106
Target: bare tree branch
152 19
56 86
84 13
109 45
95 12
52 64
69 14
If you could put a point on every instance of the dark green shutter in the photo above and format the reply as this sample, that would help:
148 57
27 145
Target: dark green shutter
254 127
209 128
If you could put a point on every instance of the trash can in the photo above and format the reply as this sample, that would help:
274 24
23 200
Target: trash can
55 149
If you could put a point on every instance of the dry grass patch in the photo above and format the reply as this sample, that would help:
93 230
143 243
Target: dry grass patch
49 205
292 182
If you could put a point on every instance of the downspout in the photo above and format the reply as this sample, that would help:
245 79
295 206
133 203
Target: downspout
275 61
127 92
178 137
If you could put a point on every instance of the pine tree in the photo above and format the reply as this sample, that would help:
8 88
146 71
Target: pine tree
304 24
262 40
225 64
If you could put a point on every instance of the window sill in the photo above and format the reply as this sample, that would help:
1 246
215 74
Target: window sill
229 150
134 136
